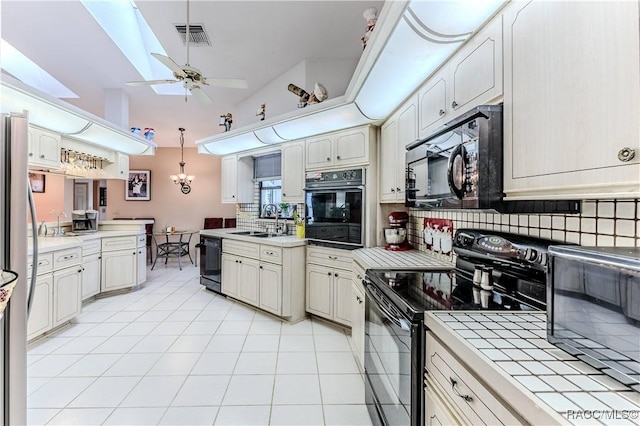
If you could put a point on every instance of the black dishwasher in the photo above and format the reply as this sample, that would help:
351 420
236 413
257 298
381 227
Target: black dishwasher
211 262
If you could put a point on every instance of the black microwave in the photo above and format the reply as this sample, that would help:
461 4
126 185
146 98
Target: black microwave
460 166
593 307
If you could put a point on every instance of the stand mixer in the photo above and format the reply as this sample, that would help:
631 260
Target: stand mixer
396 234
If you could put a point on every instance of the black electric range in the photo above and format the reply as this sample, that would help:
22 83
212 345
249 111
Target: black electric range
493 272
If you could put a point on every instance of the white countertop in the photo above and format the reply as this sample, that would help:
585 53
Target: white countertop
510 352
378 257
47 244
279 241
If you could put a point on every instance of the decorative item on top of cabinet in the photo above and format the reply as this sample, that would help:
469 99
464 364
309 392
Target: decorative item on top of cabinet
397 131
472 76
345 148
43 148
568 121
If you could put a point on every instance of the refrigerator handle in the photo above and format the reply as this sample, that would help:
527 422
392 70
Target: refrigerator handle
34 236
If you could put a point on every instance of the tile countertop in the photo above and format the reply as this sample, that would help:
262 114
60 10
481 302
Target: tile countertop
378 258
279 241
510 352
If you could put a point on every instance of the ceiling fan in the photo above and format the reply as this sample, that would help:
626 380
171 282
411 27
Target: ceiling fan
191 77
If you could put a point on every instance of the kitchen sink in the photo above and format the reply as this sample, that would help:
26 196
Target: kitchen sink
254 234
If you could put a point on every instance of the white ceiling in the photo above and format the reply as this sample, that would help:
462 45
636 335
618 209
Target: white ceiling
254 40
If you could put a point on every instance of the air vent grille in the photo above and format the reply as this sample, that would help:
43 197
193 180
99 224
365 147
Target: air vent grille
197 35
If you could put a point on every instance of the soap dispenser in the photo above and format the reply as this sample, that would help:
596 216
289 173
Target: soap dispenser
42 230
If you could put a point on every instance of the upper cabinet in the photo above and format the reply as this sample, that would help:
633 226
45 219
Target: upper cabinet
293 172
340 149
396 133
43 148
571 100
119 169
236 176
473 76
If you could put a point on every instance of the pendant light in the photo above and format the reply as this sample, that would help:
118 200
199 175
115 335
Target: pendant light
182 178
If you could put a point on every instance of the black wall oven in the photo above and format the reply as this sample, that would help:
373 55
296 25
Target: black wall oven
334 208
494 271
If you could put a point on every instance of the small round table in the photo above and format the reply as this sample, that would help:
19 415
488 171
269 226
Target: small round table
176 244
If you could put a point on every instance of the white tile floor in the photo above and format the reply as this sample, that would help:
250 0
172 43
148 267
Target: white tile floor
174 353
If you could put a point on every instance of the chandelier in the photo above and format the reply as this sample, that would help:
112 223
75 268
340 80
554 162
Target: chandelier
182 178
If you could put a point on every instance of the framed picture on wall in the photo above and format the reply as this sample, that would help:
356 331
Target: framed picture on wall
138 186
37 182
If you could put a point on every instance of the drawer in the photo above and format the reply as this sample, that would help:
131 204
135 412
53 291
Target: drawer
142 241
241 248
470 397
119 243
271 254
91 247
333 258
66 258
45 263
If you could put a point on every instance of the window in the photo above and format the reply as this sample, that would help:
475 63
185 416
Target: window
267 171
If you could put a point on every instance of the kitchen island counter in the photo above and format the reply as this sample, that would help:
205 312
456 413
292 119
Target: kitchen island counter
279 241
543 384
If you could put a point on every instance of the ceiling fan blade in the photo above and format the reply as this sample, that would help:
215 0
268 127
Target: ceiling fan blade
170 63
200 95
234 83
150 82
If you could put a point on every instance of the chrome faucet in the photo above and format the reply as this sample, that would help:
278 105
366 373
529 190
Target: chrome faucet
275 208
59 231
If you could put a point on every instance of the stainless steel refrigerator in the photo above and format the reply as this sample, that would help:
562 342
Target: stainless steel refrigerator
14 198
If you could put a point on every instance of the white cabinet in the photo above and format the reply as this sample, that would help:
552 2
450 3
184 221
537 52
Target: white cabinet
340 149
141 259
271 288
329 293
293 172
437 411
571 100
67 294
91 260
43 148
265 276
41 317
358 313
236 176
455 386
473 76
119 169
119 262
57 295
396 133
91 275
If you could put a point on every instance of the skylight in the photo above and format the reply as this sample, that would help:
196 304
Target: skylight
27 71
125 25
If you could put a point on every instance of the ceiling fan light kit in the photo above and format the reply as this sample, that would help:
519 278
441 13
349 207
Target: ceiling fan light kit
190 77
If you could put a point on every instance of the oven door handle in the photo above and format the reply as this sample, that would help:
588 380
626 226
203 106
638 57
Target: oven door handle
400 322
333 188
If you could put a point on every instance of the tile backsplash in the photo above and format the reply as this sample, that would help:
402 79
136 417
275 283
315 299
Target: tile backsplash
248 215
601 223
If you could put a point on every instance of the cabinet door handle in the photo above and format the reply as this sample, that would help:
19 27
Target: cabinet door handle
335 275
359 299
455 390
284 195
80 270
333 257
329 273
626 154
393 190
441 112
261 267
454 104
398 189
134 253
41 155
337 157
31 154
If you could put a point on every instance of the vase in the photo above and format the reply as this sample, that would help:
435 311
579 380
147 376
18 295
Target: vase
300 231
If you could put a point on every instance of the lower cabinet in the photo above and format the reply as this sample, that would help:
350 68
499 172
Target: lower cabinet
265 276
141 259
437 411
57 299
41 315
329 293
67 294
120 262
357 321
90 275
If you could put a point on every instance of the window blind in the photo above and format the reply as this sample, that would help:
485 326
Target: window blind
267 167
